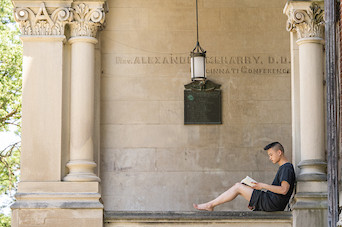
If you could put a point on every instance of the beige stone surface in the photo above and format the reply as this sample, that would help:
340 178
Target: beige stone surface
42 121
57 204
310 217
58 187
296 154
57 217
259 88
97 126
312 186
182 188
124 112
150 160
130 88
311 100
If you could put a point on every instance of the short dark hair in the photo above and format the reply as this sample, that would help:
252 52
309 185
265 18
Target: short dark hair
275 146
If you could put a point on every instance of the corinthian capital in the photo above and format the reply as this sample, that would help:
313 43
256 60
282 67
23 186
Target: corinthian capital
307 22
41 22
86 20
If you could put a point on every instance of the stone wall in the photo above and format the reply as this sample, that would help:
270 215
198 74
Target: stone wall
150 160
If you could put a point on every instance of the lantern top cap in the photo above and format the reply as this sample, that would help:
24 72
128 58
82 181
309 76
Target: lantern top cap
197 54
198 50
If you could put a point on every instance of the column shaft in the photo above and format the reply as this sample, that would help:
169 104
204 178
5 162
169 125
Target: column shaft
311 108
82 100
81 163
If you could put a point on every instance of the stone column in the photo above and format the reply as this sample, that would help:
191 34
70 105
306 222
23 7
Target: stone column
83 32
306 19
309 26
42 34
42 195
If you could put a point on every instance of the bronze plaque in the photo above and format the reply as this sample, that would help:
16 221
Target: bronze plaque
202 107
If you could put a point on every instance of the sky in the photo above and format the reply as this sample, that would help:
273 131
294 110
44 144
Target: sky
7 138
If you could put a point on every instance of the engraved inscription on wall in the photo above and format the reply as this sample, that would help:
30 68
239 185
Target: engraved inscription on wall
218 65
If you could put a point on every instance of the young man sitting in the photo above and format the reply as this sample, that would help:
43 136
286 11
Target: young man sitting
277 195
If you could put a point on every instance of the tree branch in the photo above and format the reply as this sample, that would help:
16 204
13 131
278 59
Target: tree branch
8 115
11 147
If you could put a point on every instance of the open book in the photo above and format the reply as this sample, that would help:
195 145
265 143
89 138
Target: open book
249 181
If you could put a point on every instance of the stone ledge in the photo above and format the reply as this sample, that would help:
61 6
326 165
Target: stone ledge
136 216
58 187
60 200
57 205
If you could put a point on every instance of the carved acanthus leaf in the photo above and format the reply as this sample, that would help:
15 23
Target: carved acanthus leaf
86 21
307 23
41 23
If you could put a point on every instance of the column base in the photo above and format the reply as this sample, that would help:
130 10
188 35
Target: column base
312 170
310 209
66 204
311 204
312 177
81 171
310 217
82 177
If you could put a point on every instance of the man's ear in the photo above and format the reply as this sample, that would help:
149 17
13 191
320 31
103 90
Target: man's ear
280 152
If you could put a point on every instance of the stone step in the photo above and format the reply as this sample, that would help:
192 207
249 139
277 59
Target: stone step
216 218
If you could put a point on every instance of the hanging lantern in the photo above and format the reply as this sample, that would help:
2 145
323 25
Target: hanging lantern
198 63
198 57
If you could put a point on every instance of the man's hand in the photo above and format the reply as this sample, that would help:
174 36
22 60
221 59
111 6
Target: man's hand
258 186
283 189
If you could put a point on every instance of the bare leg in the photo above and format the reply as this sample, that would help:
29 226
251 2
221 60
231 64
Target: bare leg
227 196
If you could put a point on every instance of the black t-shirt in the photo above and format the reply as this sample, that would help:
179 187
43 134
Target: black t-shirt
270 201
285 173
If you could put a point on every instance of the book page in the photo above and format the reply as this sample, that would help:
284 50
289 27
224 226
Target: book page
249 181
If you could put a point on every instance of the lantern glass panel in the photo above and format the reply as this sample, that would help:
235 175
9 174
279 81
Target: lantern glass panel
197 67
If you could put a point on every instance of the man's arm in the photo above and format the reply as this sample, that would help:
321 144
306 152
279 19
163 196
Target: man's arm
283 189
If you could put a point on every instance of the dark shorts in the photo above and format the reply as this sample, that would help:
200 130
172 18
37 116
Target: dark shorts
265 201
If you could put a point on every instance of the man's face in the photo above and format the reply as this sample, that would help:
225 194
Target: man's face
274 155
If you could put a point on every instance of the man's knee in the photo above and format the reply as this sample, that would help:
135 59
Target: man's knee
238 185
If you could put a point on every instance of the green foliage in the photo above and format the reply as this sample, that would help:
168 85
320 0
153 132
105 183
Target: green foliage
10 69
5 221
10 100
9 169
10 94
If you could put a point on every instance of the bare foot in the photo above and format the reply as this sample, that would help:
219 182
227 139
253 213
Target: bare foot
204 206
